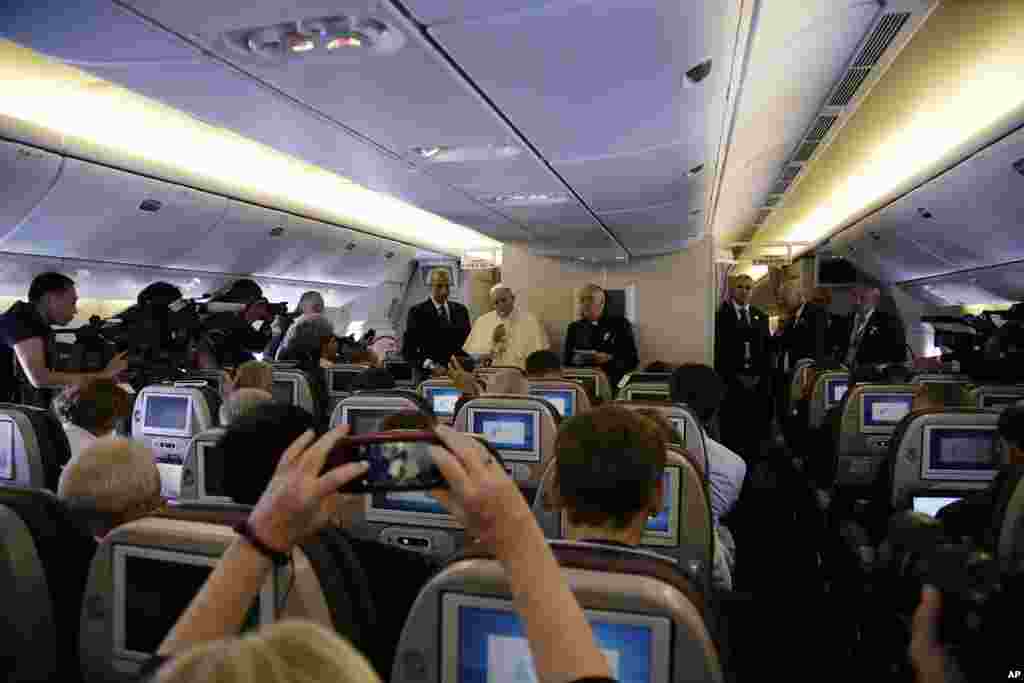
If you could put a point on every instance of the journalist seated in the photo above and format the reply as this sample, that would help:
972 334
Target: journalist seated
243 402
113 482
253 443
91 411
543 364
251 374
203 645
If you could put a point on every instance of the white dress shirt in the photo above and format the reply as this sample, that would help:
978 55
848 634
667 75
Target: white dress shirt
726 475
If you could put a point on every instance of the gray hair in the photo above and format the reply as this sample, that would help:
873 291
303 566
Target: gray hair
111 482
306 336
242 402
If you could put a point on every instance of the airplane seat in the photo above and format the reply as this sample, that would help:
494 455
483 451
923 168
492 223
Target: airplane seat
202 474
339 382
146 572
521 428
599 388
28 635
365 410
442 395
37 446
996 397
485 372
941 455
213 378
643 611
939 378
166 418
645 386
206 511
870 415
686 423
302 389
830 388
210 391
65 550
554 392
401 370
682 532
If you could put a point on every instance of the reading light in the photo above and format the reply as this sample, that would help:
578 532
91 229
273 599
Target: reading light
141 133
276 232
427 152
354 39
298 42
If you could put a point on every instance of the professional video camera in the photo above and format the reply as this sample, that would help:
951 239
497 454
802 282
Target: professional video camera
975 594
161 330
988 346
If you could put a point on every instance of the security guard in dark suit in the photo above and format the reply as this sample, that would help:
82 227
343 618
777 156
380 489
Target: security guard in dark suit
804 335
610 336
435 330
742 341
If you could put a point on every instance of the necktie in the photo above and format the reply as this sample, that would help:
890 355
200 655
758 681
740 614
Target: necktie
443 312
858 331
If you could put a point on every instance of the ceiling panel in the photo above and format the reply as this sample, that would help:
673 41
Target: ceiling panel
584 79
653 177
520 175
241 243
655 230
435 11
83 30
94 212
799 52
26 175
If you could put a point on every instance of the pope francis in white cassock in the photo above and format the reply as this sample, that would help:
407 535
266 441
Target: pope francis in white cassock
506 334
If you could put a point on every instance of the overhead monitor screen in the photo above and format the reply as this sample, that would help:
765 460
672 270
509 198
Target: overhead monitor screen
885 410
284 391
443 400
508 430
959 453
483 641
153 589
167 412
564 400
836 389
930 505
6 449
366 420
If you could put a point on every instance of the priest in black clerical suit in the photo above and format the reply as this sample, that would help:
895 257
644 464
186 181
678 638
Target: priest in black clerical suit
742 340
610 336
804 335
435 329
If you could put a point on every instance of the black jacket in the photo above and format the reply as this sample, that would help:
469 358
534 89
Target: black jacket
612 335
883 340
427 337
805 336
731 337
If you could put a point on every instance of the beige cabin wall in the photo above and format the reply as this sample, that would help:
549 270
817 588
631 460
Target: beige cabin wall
673 313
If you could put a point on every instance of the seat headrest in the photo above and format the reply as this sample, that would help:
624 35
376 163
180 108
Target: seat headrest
38 446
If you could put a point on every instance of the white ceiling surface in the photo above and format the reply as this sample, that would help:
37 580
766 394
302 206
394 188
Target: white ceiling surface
596 86
977 212
799 52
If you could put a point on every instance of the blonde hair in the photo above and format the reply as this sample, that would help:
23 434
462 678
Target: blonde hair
111 482
241 402
254 374
290 651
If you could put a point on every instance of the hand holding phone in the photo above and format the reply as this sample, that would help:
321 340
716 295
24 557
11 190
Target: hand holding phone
398 461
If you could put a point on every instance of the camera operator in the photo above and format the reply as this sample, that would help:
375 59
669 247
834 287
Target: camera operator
26 332
229 338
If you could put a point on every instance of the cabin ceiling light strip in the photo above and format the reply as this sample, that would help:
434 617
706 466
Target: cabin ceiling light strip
527 199
449 155
76 104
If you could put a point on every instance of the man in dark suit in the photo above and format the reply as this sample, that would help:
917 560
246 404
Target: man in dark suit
873 337
803 336
436 329
609 336
741 358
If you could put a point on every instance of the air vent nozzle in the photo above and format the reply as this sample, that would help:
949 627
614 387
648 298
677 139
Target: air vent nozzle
276 232
151 205
350 246
1018 166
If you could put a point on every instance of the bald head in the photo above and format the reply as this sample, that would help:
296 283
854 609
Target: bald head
112 482
503 299
440 285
